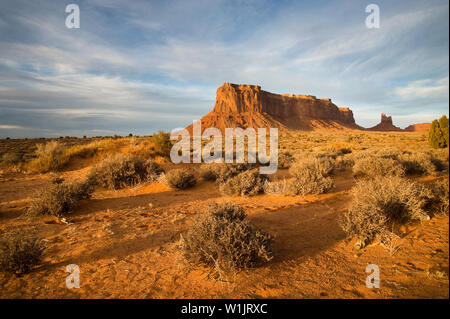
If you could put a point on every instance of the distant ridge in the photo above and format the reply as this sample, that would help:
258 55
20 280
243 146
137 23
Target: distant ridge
245 105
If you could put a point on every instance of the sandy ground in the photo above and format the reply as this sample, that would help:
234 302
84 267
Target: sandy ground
126 245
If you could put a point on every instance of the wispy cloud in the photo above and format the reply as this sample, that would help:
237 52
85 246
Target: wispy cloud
141 66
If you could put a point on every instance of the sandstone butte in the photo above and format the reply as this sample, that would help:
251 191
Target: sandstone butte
244 105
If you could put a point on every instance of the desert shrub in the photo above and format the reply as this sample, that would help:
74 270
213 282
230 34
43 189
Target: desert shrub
225 171
179 179
161 143
323 165
247 183
380 204
153 170
277 187
223 239
440 196
419 163
309 181
208 171
388 152
377 166
333 151
438 135
61 198
122 170
285 160
49 157
11 159
442 157
20 253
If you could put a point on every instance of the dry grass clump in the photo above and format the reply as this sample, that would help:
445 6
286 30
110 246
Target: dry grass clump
277 187
381 204
142 147
440 196
122 170
11 160
377 166
20 253
82 151
309 181
323 165
221 172
419 163
179 179
208 171
247 183
61 198
223 239
310 175
285 160
226 171
49 157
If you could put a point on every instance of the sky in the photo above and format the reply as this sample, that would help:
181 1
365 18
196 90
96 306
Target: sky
141 66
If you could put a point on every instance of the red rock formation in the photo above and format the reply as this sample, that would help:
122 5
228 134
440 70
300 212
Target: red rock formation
385 124
239 105
420 127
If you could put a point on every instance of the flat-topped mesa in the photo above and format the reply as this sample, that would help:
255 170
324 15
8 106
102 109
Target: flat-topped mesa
243 98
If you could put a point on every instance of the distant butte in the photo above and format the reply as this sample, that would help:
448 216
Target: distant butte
244 105
385 124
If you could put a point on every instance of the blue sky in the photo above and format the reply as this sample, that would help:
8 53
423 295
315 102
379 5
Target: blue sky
140 66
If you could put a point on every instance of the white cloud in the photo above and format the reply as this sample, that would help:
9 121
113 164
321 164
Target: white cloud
427 88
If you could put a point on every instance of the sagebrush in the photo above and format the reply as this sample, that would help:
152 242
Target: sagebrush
20 252
122 170
179 179
223 239
381 204
61 198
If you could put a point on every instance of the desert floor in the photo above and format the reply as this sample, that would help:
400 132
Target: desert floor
125 243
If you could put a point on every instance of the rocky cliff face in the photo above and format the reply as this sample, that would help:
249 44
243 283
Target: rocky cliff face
420 127
240 105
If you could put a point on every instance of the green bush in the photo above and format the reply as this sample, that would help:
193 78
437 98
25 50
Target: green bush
438 136
162 143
